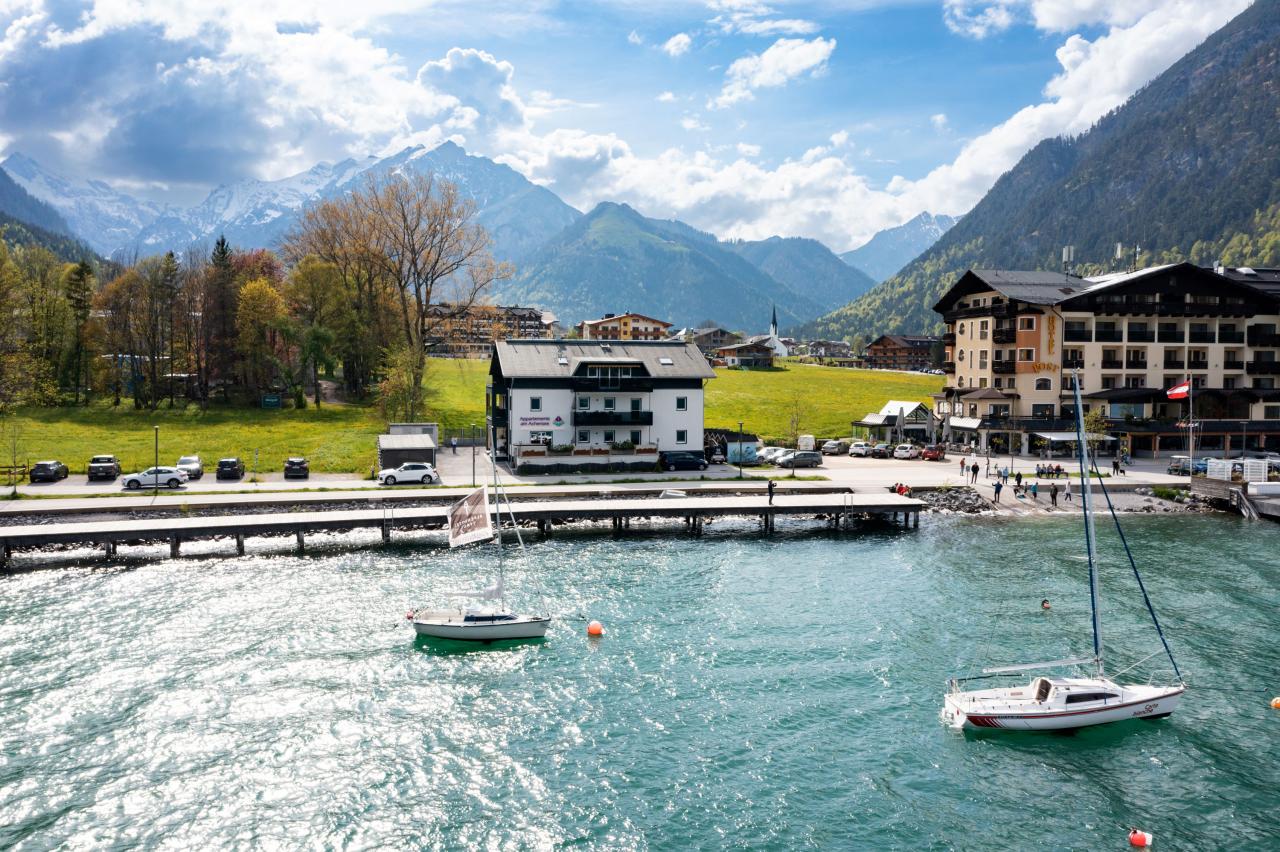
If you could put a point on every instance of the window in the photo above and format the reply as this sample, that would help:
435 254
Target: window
539 437
535 403
1009 383
982 330
1083 697
982 360
1042 410
1044 384
1229 383
682 436
982 383
584 403
608 436
1108 382
961 329
1271 412
960 381
635 406
682 403
610 403
1026 354
1026 323
961 356
1135 382
635 437
1264 384
584 436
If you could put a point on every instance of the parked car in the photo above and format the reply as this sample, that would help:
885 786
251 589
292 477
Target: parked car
231 468
860 448
296 467
48 471
683 461
880 451
103 467
191 466
835 448
154 477
717 456
906 451
408 472
769 454
934 452
801 458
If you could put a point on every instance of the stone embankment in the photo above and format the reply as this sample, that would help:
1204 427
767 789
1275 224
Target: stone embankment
962 500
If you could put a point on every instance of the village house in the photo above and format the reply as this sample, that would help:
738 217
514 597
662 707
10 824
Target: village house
624 327
900 352
708 339
468 331
758 354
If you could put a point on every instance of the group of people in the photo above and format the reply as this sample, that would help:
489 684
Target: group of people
1031 487
902 489
1050 471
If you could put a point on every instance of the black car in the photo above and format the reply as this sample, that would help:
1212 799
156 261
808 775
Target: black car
231 468
48 471
881 451
683 461
296 468
104 467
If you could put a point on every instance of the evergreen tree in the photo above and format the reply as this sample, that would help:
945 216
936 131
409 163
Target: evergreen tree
78 286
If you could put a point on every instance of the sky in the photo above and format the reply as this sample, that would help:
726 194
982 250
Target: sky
830 119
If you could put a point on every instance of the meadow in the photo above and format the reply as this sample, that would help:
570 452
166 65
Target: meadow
341 438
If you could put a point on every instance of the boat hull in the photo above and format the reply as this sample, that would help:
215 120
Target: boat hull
446 627
1141 703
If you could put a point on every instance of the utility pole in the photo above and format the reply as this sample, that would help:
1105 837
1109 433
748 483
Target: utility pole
473 455
739 449
155 469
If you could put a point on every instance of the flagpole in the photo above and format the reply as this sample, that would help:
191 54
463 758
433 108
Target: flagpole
1191 422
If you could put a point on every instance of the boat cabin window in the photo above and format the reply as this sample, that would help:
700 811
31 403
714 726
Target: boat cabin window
1042 689
1081 697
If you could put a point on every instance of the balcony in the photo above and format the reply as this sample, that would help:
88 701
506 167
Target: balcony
1143 336
1135 365
1073 363
497 417
1263 368
1193 364
634 384
613 418
1202 337
1231 337
1170 364
1232 364
1004 366
1170 337
1112 363
1108 335
1004 335
948 366
949 339
1266 339
1077 335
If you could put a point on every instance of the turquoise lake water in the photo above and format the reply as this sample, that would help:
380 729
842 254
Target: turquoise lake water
762 693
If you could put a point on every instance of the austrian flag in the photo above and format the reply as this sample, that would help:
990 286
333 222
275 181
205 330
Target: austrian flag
1180 391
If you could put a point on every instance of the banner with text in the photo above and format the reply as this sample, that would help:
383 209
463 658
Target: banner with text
469 518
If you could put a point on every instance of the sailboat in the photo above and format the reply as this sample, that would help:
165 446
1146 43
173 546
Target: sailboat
1052 703
469 521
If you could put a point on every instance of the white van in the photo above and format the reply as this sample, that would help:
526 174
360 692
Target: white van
806 444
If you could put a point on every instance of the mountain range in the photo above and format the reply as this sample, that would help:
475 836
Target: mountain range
893 248
1187 169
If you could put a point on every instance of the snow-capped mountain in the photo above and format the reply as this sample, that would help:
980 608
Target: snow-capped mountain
102 216
519 215
893 248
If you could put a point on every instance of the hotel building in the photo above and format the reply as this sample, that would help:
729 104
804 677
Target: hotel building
624 327
1015 342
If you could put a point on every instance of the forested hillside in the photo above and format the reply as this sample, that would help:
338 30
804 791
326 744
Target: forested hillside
1189 168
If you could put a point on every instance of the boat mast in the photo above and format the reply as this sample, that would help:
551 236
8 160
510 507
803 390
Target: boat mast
497 513
1086 502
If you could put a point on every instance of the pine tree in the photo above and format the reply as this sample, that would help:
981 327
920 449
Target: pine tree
220 317
78 286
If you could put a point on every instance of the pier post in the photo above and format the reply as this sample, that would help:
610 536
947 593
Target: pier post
175 544
386 532
302 547
240 544
915 523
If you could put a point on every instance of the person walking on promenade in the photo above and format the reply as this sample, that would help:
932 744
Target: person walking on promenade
988 473
1017 479
963 466
453 445
1053 495
998 486
1066 488
974 470
1035 490
772 485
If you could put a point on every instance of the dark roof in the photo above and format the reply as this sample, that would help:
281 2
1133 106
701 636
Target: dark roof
541 358
1260 278
1037 287
908 340
761 345
986 393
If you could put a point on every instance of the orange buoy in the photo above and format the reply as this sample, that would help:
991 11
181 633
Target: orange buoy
1275 703
1140 839
595 628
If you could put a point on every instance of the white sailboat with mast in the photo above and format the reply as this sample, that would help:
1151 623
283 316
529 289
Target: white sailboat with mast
1058 703
469 521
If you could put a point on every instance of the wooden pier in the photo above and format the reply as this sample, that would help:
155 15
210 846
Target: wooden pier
834 509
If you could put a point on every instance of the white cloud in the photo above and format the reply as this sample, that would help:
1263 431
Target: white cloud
784 60
677 45
747 149
839 139
666 97
980 18
635 38
691 122
939 120
751 18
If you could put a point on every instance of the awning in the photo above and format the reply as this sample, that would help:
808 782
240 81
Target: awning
1071 436
965 422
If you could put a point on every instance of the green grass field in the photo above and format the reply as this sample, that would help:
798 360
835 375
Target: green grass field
341 439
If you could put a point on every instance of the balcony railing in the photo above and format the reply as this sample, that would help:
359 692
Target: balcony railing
1264 339
1202 337
1073 363
1231 337
1170 337
1193 364
948 366
498 416
949 339
1104 335
1135 365
1004 335
613 418
1112 363
1004 366
1077 335
637 383
1263 368
1171 364
1136 336
1232 364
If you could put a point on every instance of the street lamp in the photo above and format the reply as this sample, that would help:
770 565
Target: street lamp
155 469
473 455
739 449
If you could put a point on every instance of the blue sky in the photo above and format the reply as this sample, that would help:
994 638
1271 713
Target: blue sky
826 119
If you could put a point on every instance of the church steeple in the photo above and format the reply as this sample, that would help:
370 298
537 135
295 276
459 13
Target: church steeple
773 324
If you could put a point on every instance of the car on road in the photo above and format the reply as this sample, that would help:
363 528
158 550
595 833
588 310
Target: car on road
155 477
860 448
48 471
835 447
683 461
103 467
231 468
296 467
419 472
880 451
191 466
906 451
771 454
801 458
934 452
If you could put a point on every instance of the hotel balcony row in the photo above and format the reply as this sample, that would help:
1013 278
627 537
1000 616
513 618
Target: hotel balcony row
1259 336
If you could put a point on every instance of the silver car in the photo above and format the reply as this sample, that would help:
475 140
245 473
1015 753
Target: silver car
408 472
154 477
191 466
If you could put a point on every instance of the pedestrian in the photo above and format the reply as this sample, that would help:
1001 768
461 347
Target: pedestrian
998 486
1035 490
1066 487
963 465
772 485
1053 495
988 473
1115 467
1017 479
453 444
974 470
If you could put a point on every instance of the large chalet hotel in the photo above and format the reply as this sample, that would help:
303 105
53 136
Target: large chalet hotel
1015 342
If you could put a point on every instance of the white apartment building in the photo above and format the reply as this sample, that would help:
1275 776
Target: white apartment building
1016 340
597 394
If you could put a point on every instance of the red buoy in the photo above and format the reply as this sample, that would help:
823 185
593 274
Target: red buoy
595 628
1140 839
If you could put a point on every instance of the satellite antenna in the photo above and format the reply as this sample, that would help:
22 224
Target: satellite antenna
1068 258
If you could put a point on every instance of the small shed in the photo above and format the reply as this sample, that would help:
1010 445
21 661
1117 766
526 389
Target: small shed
395 450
